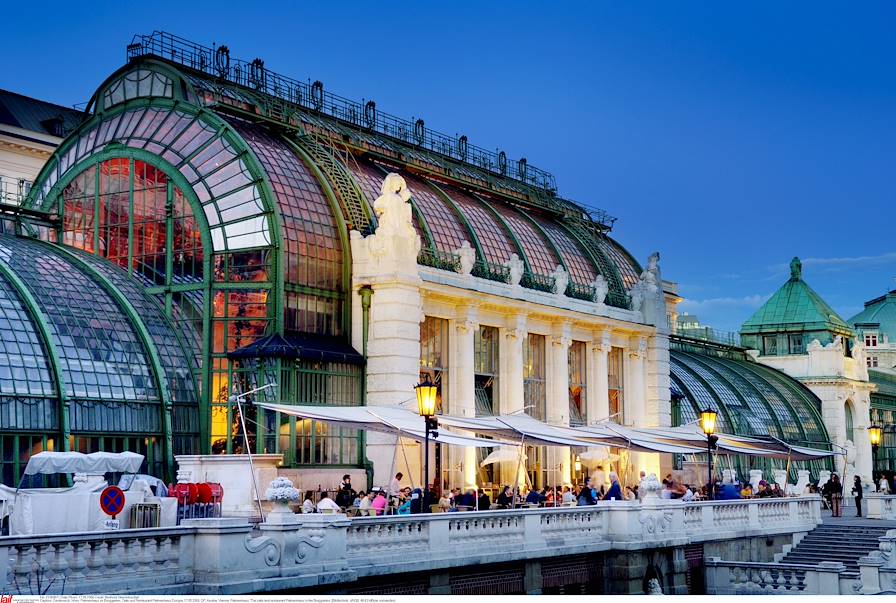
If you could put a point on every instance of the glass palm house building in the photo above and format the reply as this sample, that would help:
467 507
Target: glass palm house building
190 240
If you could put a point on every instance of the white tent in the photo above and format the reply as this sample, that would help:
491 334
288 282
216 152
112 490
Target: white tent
503 455
95 463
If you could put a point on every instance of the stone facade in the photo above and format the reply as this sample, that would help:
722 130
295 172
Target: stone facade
405 292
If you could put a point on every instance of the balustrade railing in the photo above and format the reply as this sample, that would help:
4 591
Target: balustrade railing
291 552
491 271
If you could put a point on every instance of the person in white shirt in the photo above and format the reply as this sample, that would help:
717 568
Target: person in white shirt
395 485
365 505
327 504
308 503
688 494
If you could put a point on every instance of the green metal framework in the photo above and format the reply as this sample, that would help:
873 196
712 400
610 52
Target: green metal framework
752 399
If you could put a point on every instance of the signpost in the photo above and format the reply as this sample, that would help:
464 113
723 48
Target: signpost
111 503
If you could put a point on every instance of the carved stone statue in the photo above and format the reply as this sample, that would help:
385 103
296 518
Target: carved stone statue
467 257
395 237
858 352
653 587
601 288
637 297
561 280
796 269
392 209
516 267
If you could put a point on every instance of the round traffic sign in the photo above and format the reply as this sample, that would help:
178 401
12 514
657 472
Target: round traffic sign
112 500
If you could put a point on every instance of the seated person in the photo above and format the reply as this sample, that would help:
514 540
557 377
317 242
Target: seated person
379 503
308 503
567 496
327 504
365 503
484 503
444 502
534 497
505 498
467 499
747 490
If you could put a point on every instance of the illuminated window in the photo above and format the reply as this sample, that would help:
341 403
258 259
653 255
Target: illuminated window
577 383
534 383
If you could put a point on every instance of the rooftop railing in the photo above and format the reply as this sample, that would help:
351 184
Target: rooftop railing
13 190
216 62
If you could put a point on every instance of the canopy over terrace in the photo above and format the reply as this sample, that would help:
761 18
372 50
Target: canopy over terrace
765 447
396 421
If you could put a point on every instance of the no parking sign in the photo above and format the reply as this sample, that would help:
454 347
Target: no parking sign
112 502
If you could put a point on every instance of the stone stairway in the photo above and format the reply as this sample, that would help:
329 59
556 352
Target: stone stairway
832 542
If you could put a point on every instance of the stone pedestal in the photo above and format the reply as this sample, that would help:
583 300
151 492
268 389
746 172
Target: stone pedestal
233 472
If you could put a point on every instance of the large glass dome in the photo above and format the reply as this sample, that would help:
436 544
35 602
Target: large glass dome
88 358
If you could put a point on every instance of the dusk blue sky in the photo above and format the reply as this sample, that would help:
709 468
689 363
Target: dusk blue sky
729 138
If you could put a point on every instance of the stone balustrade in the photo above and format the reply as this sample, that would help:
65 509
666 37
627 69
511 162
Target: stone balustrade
742 578
229 556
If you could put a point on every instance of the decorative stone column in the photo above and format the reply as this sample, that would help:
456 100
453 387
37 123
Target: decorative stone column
462 392
558 401
598 376
635 378
510 381
387 262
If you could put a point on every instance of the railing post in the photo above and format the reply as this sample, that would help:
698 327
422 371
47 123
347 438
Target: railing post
707 512
875 505
439 534
753 515
829 577
718 577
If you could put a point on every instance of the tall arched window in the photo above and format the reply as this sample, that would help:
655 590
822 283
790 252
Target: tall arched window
847 410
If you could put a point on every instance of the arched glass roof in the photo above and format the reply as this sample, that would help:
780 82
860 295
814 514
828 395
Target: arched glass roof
205 154
77 317
751 399
310 230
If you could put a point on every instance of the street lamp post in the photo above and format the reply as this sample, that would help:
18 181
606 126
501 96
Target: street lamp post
426 406
708 425
875 432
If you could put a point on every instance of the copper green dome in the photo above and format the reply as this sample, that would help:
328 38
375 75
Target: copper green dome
795 307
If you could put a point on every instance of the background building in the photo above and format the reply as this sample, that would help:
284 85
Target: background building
30 129
796 332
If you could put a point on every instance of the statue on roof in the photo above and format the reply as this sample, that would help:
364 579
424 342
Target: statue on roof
394 245
796 269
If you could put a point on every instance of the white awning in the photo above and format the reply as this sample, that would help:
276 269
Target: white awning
755 446
96 463
383 419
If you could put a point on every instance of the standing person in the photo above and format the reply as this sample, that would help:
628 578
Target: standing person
395 485
346 494
835 488
615 491
857 492
586 495
883 485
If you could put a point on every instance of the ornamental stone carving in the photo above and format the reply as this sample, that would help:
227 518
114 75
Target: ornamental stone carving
394 246
649 487
601 288
467 257
561 280
515 267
